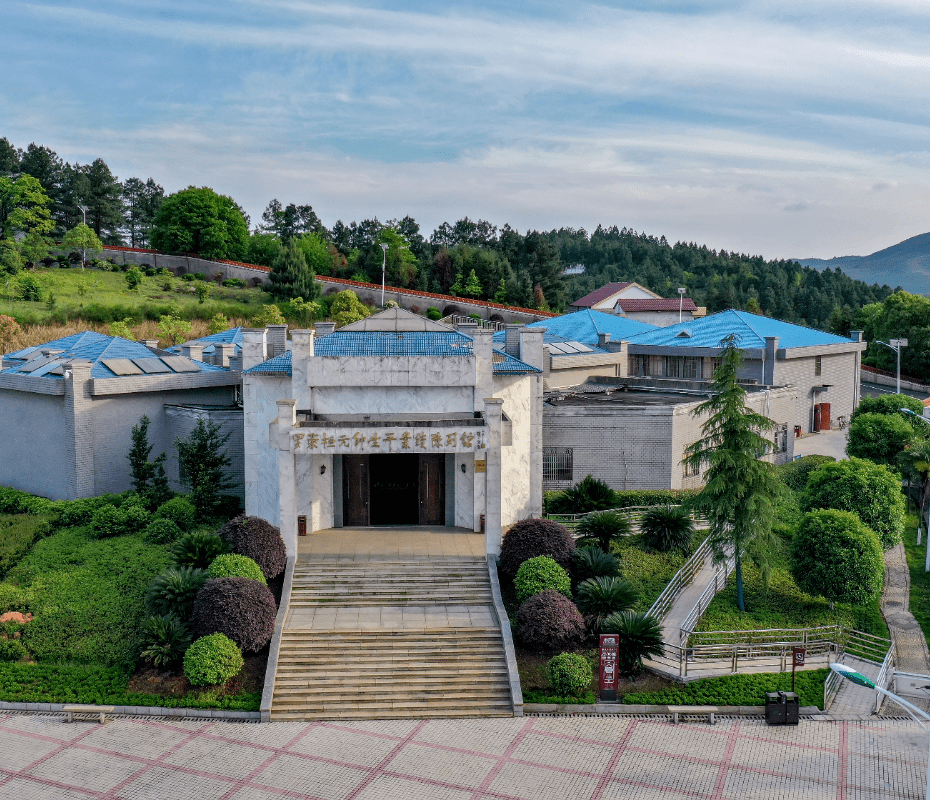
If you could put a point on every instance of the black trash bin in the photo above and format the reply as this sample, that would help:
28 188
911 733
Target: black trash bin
775 709
792 707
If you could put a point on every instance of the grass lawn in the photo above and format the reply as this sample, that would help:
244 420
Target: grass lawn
100 296
920 580
86 596
782 604
648 570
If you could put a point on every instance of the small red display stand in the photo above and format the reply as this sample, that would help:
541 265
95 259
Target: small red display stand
609 677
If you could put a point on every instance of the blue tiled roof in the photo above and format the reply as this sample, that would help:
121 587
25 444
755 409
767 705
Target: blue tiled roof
750 328
563 346
93 347
229 336
279 365
390 343
584 326
505 364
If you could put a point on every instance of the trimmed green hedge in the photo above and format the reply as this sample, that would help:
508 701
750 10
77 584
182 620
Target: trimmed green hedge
55 683
737 690
632 498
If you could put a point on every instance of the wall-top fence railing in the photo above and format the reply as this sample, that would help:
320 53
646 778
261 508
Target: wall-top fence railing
456 319
633 513
681 581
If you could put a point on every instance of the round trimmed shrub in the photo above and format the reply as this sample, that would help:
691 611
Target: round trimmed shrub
603 527
241 608
666 528
870 490
174 592
12 650
836 556
592 562
162 531
569 673
212 660
135 518
106 522
179 510
879 437
535 537
232 565
795 473
538 574
198 549
259 540
549 621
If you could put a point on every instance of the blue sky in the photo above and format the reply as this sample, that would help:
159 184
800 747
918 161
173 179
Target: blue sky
779 127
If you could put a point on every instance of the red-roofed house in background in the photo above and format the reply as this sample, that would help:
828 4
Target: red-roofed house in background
636 302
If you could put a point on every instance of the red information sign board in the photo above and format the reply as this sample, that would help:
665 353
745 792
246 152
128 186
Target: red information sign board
610 679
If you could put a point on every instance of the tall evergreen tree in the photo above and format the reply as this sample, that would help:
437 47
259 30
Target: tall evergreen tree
290 275
741 490
102 193
204 463
141 201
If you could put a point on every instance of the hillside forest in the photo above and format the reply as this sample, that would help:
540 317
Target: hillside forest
41 198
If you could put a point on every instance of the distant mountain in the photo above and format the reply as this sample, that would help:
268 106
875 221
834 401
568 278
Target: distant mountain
906 264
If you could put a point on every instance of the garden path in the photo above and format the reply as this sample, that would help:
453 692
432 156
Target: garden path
910 644
686 601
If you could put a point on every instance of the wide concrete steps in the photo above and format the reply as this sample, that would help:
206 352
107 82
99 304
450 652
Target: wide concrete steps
384 672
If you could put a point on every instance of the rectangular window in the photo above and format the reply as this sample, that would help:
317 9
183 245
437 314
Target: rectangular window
818 365
635 366
672 367
656 368
690 470
557 464
691 369
714 364
781 438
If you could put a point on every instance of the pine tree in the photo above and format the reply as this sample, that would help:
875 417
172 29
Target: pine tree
741 490
203 464
148 477
500 296
456 288
290 276
473 286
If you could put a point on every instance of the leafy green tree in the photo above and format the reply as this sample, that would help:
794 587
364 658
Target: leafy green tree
263 249
24 207
346 308
81 238
868 489
456 288
54 177
203 291
316 254
173 328
741 490
915 462
836 556
11 260
890 404
122 328
291 220
879 437
270 314
218 323
198 220
133 277
9 157
500 296
203 463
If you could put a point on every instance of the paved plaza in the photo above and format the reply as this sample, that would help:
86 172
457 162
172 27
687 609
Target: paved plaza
533 758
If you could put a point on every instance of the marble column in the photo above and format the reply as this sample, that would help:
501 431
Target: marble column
493 409
287 477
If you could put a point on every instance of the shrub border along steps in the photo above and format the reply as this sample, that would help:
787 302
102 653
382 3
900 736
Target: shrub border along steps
621 710
139 711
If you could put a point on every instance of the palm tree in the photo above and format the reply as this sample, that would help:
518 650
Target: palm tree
603 527
639 636
598 598
666 528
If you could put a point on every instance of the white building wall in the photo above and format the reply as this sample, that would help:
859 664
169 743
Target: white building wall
516 500
260 396
35 424
425 401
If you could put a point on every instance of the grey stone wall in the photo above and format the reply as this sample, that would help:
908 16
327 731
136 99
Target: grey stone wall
184 265
36 454
180 422
838 371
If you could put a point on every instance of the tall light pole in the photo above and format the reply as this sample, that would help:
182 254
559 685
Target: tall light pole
384 248
915 713
84 249
896 345
681 302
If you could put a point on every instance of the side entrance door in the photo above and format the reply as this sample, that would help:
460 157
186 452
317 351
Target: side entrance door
356 491
432 489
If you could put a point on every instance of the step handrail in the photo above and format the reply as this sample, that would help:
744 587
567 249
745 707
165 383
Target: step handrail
680 581
510 655
274 651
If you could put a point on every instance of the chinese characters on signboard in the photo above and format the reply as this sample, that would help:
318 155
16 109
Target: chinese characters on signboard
609 678
389 440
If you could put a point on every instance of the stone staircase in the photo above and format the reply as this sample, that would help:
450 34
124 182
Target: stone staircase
385 639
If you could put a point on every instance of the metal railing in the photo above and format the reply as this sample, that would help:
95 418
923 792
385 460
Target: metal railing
680 581
721 574
885 675
457 319
633 513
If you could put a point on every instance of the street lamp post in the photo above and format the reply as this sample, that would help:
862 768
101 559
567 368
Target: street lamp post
384 248
84 249
916 714
921 511
681 301
896 345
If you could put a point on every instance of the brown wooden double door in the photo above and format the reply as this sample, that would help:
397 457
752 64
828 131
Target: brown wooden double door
404 489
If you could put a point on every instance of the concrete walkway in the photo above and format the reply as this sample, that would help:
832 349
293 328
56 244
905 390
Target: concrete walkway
401 542
529 758
826 443
685 602
910 644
